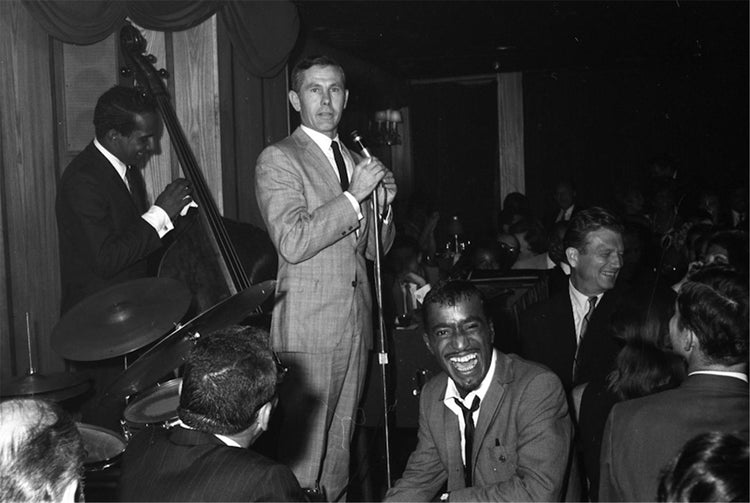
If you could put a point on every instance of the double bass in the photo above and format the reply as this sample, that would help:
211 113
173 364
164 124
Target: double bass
213 256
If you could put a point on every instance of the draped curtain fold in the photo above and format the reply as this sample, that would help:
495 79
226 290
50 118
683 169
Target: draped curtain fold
262 33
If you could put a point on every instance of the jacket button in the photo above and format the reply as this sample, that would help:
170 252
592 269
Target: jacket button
354 283
502 458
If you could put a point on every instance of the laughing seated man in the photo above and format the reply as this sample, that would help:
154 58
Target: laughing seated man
519 432
228 394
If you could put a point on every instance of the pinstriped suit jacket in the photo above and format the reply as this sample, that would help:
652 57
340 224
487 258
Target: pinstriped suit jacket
190 465
322 290
521 443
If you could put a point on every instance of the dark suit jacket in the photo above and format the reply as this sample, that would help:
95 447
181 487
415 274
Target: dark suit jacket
548 337
642 435
103 241
190 465
521 442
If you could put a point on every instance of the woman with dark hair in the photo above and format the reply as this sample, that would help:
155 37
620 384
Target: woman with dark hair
642 367
712 466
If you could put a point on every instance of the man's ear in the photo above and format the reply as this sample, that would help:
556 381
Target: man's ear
264 415
571 254
426 339
294 100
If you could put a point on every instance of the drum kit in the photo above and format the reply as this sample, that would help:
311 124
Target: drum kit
123 320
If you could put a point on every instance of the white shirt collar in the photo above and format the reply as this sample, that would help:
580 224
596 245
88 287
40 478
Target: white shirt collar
725 373
321 140
227 441
116 163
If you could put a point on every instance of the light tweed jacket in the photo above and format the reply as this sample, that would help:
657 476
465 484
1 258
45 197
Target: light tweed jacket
322 290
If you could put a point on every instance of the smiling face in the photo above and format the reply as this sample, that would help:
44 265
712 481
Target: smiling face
136 148
595 270
460 337
321 99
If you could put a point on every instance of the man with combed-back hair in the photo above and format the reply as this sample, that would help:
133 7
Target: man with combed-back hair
227 397
41 452
710 331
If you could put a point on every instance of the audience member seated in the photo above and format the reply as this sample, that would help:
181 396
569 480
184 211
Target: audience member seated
482 255
711 466
492 427
41 452
565 203
404 274
227 397
710 203
642 367
710 331
728 247
570 332
509 249
516 207
532 240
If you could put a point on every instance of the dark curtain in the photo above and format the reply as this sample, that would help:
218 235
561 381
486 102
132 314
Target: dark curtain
262 33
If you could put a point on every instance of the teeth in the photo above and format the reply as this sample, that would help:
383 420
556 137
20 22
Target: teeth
464 359
464 363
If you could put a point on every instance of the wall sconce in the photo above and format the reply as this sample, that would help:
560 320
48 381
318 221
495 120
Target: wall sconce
385 131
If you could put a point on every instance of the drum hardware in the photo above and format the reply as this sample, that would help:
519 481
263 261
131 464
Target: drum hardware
120 319
57 386
172 351
155 407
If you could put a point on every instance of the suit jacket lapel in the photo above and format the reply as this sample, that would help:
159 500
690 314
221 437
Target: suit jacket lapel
491 403
318 161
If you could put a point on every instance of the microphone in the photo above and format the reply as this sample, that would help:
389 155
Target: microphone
357 139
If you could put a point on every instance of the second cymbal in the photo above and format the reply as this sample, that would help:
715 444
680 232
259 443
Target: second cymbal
120 319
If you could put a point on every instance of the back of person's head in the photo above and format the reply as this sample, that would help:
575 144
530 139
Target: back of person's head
712 466
586 221
116 109
308 62
642 366
230 374
41 452
713 303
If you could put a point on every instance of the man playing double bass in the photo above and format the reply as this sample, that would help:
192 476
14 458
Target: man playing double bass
314 196
106 231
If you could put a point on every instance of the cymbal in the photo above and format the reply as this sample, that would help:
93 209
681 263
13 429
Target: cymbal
120 319
46 386
173 350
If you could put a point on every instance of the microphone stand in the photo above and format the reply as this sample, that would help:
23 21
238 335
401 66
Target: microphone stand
382 354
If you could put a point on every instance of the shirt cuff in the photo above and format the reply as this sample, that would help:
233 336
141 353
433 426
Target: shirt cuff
159 220
388 216
355 204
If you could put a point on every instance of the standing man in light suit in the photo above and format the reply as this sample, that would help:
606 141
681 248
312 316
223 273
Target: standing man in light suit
314 196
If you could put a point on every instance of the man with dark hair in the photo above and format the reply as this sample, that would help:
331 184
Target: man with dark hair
227 397
569 332
41 452
710 330
314 196
494 427
106 230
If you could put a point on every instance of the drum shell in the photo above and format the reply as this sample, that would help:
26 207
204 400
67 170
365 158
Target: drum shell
156 406
103 447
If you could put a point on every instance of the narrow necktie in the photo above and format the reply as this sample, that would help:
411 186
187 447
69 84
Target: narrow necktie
468 436
584 326
136 187
340 164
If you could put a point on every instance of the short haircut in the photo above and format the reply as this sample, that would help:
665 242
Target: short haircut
41 451
712 466
713 303
586 221
229 375
117 108
450 293
309 62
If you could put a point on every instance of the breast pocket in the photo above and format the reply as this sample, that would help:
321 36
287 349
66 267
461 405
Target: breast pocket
502 462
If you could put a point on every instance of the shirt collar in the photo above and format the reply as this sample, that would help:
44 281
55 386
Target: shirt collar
579 300
451 391
226 440
321 140
116 163
725 373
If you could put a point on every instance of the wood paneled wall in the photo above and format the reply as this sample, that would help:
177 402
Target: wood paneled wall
33 157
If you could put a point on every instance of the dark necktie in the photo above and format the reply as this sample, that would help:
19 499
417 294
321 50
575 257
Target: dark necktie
137 188
340 164
584 326
468 436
